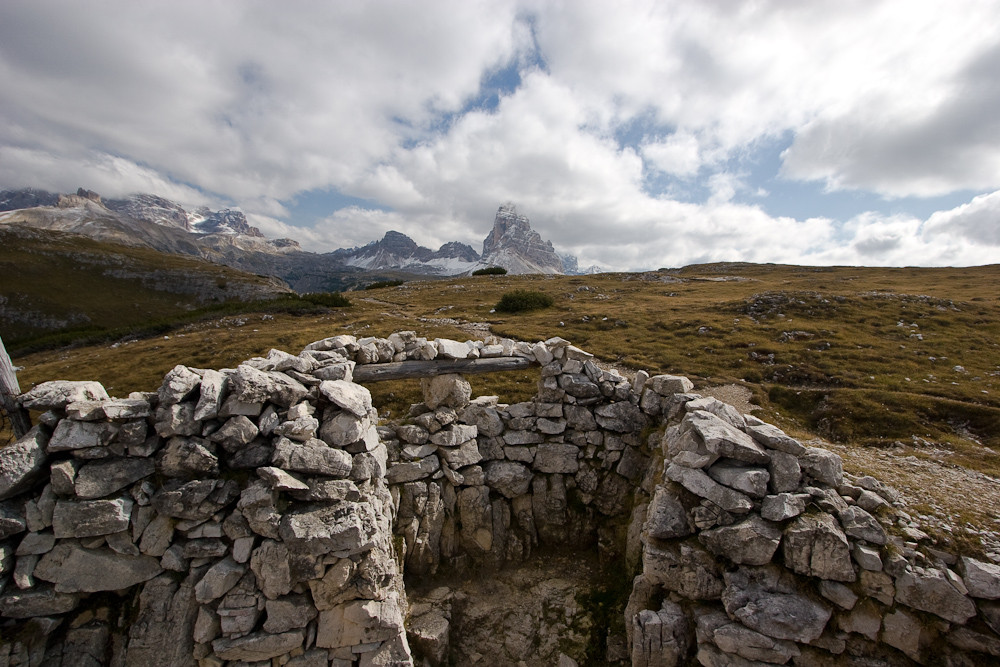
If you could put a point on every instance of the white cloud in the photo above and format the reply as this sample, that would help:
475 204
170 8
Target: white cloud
254 103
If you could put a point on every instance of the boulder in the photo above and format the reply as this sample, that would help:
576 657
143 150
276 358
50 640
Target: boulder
349 396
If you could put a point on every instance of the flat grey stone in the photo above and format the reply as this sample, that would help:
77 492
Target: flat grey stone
57 394
102 478
700 484
88 518
510 478
313 457
350 396
74 569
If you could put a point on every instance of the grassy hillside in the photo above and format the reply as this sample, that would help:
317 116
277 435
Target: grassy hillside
56 282
894 367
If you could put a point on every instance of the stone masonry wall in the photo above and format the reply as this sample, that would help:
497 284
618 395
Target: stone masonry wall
259 515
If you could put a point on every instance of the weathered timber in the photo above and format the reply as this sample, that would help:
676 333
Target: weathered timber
400 370
9 391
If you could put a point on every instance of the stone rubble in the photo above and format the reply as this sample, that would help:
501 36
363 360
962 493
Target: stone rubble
261 514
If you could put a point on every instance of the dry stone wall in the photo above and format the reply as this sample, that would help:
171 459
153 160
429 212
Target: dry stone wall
259 514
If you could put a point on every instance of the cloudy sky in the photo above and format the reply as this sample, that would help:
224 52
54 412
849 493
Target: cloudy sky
634 135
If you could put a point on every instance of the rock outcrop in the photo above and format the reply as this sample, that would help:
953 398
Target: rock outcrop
260 514
516 247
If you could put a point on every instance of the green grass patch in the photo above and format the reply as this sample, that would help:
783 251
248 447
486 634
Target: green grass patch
520 301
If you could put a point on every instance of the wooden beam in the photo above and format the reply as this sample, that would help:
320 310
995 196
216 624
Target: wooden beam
10 390
400 370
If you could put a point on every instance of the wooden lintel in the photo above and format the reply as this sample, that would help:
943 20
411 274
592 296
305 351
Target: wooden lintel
400 370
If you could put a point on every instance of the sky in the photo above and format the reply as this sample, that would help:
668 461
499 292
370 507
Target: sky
634 135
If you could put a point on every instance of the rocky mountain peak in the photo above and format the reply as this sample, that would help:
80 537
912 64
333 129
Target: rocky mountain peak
151 208
226 221
513 245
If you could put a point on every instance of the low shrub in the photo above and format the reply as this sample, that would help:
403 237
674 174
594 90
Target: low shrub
385 283
522 300
490 271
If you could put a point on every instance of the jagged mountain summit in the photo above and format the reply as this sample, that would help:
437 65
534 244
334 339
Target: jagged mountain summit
226 237
511 243
399 252
515 246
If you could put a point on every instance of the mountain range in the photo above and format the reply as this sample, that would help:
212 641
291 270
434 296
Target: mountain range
226 237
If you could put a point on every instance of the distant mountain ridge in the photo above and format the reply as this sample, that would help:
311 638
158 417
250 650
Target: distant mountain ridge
226 237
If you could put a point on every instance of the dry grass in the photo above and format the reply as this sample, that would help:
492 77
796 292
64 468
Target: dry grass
865 358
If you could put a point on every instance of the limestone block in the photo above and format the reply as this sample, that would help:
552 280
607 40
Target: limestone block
667 385
814 545
74 569
823 466
250 385
71 435
749 480
346 428
235 433
91 517
556 458
700 484
288 613
258 647
359 622
769 601
211 395
784 506
666 517
312 457
724 439
22 462
723 411
737 639
177 419
981 579
929 590
510 478
750 542
101 478
661 639
188 458
447 390
786 473
866 557
218 580
345 529
57 394
773 437
621 416
409 472
685 568
861 525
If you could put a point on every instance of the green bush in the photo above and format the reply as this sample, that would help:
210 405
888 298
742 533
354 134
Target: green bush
521 300
385 283
328 299
490 271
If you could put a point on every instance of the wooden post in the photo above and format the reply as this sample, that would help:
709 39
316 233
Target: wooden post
399 370
9 390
